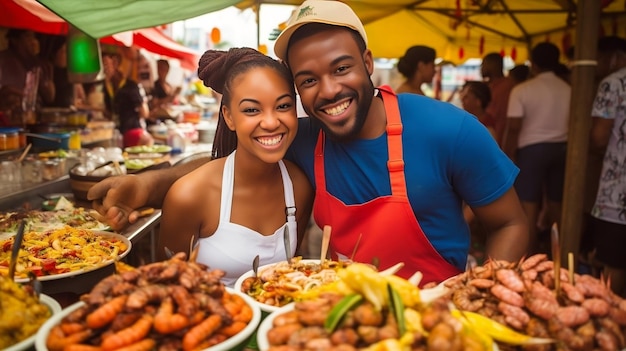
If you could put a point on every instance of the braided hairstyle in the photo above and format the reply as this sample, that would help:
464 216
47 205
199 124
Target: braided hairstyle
218 69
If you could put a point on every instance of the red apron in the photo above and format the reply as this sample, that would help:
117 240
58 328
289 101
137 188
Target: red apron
385 228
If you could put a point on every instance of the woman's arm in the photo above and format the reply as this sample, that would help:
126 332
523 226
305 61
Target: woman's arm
181 218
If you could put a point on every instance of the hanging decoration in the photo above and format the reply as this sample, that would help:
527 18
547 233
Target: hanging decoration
457 12
566 42
461 52
513 54
216 35
605 3
502 53
481 45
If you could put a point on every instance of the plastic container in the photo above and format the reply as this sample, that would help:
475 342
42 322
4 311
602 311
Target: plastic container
12 141
176 140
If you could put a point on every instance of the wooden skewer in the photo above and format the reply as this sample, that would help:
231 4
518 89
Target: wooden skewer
23 155
556 257
570 267
325 243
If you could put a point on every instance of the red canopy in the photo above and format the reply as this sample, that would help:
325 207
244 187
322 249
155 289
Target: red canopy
153 40
30 14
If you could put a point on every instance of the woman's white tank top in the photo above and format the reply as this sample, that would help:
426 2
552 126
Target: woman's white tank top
232 247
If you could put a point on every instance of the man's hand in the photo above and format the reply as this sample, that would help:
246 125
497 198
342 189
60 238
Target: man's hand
118 198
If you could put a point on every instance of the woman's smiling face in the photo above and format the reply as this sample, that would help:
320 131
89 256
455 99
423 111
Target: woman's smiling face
262 112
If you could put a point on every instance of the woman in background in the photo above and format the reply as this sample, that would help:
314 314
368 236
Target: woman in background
418 67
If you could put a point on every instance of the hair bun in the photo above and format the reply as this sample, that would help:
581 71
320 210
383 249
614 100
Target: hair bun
214 65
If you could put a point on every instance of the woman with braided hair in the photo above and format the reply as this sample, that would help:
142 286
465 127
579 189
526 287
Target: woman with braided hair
241 203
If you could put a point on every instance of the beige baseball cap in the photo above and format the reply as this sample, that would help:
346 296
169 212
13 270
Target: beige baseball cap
330 12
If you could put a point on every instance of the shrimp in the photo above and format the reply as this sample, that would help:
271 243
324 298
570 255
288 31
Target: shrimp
572 316
463 299
143 345
186 305
201 331
510 279
572 292
618 315
507 295
233 329
596 307
166 321
532 261
81 347
105 314
613 327
140 297
57 340
543 308
279 335
514 312
72 327
128 336
99 293
606 340
481 283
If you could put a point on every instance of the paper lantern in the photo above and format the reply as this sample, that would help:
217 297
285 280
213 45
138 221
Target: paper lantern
481 45
461 53
513 53
84 64
216 35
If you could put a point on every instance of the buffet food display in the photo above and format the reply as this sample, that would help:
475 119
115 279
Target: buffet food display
175 304
281 283
62 252
38 220
22 312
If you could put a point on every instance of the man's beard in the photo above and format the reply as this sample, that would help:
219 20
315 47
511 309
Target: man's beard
363 106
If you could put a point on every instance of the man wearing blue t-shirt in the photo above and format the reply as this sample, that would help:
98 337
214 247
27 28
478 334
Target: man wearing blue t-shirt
391 173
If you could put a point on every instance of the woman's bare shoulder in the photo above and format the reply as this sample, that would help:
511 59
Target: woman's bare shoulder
200 183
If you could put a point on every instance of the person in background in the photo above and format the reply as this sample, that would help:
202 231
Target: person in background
418 67
519 73
21 57
67 94
163 93
125 102
247 194
607 225
536 138
475 97
392 196
491 69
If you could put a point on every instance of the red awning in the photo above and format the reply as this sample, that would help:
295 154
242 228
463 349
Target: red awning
153 40
30 14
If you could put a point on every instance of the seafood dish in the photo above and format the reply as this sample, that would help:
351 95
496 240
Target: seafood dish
284 282
63 252
174 304
580 311
366 310
22 312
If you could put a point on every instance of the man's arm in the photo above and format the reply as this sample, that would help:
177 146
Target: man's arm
118 198
511 135
506 222
600 134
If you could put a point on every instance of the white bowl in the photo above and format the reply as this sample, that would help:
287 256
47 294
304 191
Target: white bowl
266 325
28 343
235 342
265 307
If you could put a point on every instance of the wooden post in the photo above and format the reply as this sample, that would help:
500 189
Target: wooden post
583 76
